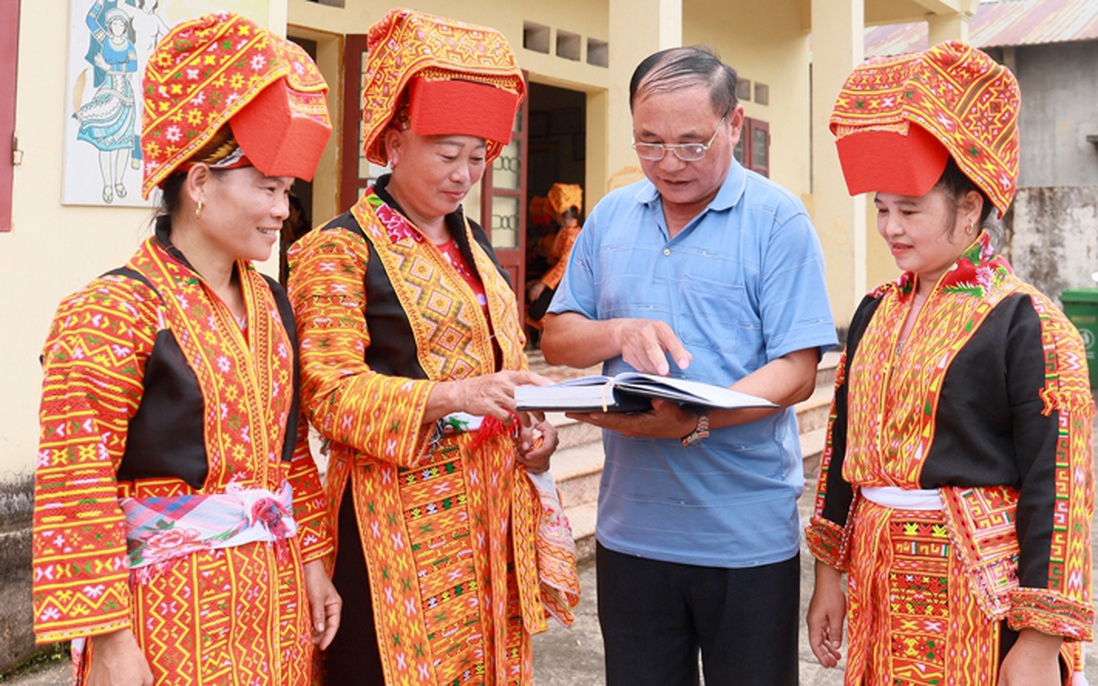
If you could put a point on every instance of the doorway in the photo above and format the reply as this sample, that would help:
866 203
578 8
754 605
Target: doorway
300 220
557 142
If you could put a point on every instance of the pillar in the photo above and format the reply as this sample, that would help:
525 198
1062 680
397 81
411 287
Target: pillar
949 26
838 45
638 28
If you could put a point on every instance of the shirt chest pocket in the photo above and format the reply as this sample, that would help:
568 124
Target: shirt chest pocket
710 313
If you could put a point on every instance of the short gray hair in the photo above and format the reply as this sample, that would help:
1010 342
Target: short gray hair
677 68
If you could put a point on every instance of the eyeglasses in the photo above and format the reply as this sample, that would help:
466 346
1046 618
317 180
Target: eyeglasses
687 152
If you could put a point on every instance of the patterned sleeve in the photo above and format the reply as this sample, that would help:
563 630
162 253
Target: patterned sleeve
834 496
310 504
1055 460
345 400
94 362
824 534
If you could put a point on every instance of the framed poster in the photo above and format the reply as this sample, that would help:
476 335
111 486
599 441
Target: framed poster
109 43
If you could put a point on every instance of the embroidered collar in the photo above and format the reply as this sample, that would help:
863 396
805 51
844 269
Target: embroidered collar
399 229
397 226
977 272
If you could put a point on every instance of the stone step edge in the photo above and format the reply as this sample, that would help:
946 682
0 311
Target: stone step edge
577 462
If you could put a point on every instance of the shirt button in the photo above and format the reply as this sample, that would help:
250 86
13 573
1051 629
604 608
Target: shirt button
667 251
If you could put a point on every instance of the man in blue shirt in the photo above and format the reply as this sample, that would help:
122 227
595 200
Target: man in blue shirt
704 271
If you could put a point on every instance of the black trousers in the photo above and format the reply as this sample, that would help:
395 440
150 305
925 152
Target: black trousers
353 658
656 616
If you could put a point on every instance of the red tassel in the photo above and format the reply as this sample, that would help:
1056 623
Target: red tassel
491 427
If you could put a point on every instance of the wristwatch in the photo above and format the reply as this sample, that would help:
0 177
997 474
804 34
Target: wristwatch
700 431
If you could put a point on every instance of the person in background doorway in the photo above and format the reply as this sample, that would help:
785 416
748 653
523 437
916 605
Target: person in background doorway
566 205
539 226
711 272
956 490
451 542
179 520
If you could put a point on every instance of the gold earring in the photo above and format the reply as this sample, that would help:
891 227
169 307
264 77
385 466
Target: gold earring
198 210
971 228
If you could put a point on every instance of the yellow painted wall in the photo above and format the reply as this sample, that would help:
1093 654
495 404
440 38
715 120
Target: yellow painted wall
765 42
329 57
53 249
576 16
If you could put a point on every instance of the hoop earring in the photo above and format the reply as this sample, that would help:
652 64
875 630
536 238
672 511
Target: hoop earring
198 210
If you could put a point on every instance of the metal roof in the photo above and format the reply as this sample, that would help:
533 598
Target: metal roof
998 23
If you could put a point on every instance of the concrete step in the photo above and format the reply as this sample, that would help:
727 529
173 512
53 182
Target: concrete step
577 472
571 432
814 412
812 446
825 371
582 519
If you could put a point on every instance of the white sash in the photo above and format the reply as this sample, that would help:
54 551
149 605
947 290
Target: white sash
903 498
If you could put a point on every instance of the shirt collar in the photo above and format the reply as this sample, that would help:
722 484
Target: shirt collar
727 196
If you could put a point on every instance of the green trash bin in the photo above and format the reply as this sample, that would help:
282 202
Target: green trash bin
1081 307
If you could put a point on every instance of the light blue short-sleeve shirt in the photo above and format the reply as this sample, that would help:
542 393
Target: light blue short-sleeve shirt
741 285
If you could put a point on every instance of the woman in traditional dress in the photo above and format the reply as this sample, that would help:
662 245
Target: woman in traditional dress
451 544
566 203
956 489
179 520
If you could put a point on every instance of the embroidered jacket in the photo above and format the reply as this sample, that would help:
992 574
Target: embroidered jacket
447 520
989 402
219 403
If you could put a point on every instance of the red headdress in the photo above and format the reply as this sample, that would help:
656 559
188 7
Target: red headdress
456 78
224 69
898 120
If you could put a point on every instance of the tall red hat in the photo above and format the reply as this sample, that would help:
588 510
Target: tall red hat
897 121
224 69
456 78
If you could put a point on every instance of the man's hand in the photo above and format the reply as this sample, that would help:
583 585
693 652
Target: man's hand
645 344
666 419
572 339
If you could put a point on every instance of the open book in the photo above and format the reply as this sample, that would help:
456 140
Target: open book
630 392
